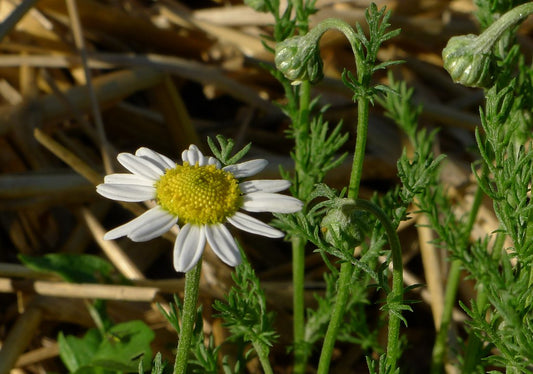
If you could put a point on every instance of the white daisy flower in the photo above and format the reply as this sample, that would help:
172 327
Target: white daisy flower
199 193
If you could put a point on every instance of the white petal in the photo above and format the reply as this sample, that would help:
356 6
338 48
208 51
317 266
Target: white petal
250 224
127 228
193 155
188 247
147 226
246 169
203 161
139 165
123 178
213 161
164 161
270 202
223 244
158 222
126 192
265 185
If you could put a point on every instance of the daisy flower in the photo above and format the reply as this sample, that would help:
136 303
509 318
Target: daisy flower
201 196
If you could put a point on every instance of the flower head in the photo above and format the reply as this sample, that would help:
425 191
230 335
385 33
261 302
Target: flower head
200 195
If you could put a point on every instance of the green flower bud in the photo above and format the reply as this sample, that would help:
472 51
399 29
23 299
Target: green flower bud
344 226
298 58
467 64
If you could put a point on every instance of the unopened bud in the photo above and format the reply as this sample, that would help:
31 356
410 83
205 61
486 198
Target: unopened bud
298 58
467 64
345 226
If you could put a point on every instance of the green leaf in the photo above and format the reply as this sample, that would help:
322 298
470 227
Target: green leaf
223 152
214 148
78 352
72 268
240 154
122 348
124 345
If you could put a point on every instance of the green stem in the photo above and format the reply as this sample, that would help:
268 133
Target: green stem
303 112
439 349
346 270
298 244
262 354
192 282
334 23
395 297
343 291
486 40
360 146
298 272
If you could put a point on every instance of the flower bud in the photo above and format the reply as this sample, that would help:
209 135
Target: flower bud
467 64
298 58
345 226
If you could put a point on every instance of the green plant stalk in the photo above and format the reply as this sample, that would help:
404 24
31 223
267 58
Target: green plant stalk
303 115
262 354
486 40
298 273
334 23
355 179
192 283
346 269
298 244
360 146
439 349
343 291
396 295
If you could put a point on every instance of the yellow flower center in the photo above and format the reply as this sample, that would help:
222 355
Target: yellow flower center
198 194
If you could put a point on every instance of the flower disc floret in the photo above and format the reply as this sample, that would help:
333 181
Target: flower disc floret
198 194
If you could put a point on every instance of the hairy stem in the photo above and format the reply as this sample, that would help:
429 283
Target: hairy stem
298 244
298 272
339 25
262 354
360 146
346 270
486 40
395 297
192 282
343 291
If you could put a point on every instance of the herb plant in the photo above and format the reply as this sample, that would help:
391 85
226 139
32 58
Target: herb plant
356 238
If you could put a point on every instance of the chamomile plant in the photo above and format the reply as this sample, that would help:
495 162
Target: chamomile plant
356 238
203 193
